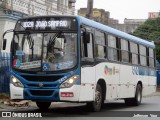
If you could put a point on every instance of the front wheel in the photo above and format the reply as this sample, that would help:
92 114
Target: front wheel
43 105
97 103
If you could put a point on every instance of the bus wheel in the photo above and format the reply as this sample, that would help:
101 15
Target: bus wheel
43 105
137 99
96 105
138 96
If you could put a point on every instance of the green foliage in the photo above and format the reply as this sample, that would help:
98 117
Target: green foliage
150 31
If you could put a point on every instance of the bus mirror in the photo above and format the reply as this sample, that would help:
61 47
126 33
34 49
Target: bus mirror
86 37
4 44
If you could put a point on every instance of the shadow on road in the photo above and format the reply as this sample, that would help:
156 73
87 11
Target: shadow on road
109 109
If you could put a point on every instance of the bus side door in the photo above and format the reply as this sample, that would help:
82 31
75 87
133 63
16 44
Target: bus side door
87 67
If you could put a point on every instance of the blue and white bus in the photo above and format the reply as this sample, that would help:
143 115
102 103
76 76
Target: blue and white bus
74 59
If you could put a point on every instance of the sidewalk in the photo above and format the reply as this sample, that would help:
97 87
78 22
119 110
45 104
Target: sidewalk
4 105
32 105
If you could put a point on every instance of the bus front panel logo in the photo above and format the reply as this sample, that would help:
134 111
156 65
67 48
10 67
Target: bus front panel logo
40 85
110 71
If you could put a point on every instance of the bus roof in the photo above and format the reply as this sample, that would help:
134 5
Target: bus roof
116 32
102 27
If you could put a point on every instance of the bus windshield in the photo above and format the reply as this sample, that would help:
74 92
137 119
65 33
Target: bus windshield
44 51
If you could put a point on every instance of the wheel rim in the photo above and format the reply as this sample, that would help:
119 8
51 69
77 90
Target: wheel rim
98 98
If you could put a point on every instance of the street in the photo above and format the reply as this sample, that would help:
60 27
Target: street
149 108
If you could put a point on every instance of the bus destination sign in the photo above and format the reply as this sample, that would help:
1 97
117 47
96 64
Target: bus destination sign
47 24
44 24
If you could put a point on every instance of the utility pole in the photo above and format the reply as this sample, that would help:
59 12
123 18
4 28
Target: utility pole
89 9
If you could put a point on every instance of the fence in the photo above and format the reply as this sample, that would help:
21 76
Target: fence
4 72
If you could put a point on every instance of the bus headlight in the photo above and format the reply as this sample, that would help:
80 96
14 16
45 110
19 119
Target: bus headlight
16 82
69 82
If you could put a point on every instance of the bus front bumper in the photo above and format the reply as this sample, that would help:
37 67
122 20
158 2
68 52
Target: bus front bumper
43 94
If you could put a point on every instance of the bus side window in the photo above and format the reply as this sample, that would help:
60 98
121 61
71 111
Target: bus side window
113 50
87 45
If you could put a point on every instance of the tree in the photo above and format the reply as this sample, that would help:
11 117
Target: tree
150 31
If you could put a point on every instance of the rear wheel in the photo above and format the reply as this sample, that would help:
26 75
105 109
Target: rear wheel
96 105
137 99
43 105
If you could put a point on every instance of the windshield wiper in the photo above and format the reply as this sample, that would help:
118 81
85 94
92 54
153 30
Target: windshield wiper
21 25
52 40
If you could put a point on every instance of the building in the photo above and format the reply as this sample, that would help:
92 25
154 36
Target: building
40 7
153 15
11 10
134 21
102 16
99 15
113 21
129 26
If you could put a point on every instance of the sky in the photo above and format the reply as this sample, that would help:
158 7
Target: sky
120 9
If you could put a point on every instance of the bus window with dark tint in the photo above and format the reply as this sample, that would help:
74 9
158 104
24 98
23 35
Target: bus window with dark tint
143 59
151 58
134 53
112 48
87 45
100 44
124 51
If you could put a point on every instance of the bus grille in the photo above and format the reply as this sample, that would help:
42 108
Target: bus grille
41 92
42 78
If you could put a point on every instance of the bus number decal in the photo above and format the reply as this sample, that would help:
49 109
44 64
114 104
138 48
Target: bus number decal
28 24
62 79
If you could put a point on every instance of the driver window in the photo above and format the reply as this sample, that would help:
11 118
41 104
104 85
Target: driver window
87 44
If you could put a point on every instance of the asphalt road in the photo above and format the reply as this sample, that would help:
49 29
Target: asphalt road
150 107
